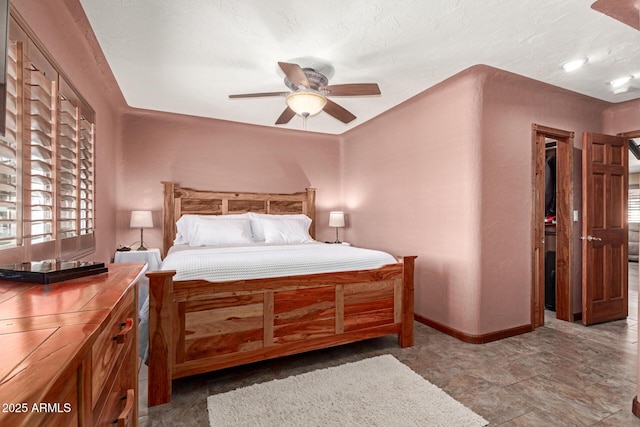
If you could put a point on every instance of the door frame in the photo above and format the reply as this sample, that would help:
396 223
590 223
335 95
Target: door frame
564 227
630 135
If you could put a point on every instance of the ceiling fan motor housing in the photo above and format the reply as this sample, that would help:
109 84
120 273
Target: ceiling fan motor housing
316 80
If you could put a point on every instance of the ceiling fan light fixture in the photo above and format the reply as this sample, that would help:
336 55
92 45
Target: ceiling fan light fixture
306 102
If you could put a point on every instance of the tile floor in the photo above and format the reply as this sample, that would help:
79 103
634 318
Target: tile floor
562 374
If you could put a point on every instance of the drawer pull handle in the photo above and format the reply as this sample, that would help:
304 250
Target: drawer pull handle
124 419
121 338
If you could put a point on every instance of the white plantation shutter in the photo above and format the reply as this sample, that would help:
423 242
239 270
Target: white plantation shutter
68 166
86 176
39 107
9 175
76 169
47 159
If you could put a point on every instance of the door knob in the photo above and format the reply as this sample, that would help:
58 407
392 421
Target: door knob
591 239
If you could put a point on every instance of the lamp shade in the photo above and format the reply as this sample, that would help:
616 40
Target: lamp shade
141 219
336 219
306 102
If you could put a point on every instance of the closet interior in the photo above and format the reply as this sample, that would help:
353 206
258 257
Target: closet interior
550 224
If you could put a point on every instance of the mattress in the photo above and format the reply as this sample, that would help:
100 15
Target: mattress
263 261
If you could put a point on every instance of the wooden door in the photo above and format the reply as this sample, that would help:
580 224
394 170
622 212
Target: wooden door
537 294
604 228
564 227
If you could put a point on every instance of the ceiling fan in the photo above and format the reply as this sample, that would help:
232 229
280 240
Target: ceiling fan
309 94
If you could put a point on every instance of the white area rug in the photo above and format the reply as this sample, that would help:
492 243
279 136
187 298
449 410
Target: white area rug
379 391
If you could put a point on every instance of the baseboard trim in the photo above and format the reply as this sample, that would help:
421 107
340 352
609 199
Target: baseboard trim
577 316
474 339
635 407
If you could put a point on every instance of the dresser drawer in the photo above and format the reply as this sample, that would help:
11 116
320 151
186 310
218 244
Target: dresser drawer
120 406
118 335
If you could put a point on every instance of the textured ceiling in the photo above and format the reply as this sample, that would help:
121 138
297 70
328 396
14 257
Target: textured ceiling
188 56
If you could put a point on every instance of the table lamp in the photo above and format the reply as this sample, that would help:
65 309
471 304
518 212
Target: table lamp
141 220
336 219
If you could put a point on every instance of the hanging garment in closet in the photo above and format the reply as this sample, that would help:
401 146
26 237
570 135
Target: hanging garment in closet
550 187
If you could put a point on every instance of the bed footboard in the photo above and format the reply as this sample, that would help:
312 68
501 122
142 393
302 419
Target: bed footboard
200 326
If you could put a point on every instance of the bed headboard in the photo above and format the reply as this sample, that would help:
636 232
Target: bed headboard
179 201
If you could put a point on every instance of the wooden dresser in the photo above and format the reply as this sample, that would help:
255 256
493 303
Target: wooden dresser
69 351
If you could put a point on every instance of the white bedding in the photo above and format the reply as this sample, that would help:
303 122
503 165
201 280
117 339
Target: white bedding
260 260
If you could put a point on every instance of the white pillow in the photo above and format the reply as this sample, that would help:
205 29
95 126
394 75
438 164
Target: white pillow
257 228
285 230
227 231
186 226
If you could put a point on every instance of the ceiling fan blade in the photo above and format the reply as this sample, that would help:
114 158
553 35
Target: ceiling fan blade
338 112
354 89
295 74
257 95
286 116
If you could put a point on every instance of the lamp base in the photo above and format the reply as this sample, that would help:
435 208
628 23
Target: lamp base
142 248
337 238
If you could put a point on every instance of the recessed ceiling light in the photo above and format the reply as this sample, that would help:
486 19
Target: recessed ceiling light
621 90
574 65
620 82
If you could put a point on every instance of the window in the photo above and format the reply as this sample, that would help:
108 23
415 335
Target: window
634 205
46 159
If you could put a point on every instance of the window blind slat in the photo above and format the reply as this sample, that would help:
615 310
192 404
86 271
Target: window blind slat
9 160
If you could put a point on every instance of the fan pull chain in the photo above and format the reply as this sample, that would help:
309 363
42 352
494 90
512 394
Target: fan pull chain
304 120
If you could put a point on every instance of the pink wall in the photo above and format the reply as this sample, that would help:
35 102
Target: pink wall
622 117
447 176
218 155
65 32
411 187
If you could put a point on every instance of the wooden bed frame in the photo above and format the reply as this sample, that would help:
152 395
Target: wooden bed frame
197 326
